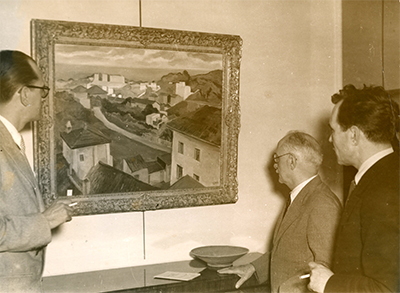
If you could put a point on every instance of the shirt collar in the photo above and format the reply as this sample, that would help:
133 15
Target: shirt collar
12 130
298 188
371 161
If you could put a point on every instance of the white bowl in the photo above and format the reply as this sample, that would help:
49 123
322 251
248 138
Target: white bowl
218 256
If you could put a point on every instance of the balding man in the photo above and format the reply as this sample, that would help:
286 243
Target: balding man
306 229
25 224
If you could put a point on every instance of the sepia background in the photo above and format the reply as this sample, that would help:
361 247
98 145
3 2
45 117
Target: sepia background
296 54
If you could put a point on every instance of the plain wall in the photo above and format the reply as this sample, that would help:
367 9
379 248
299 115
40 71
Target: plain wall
291 65
371 43
371 49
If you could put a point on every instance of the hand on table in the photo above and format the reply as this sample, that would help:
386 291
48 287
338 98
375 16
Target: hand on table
244 272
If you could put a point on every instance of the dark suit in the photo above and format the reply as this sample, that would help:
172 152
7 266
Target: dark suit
24 231
366 257
306 233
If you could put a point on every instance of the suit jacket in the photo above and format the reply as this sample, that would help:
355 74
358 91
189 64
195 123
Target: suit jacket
366 257
306 233
24 231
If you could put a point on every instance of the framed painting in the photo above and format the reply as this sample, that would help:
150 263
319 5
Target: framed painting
137 118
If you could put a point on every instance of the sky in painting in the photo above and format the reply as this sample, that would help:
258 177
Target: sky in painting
85 59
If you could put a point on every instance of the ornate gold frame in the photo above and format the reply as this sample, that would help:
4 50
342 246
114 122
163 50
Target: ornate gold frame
45 34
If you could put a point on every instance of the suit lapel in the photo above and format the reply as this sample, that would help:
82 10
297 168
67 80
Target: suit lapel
291 215
356 196
19 161
294 211
351 203
277 227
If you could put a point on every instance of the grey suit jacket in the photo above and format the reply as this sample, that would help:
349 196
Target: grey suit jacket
306 233
24 231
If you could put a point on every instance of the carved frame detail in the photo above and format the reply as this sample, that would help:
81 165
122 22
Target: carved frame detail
45 34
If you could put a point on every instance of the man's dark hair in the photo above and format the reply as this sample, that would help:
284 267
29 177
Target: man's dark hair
370 109
15 71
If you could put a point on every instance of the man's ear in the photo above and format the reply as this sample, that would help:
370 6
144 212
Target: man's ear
24 96
355 133
292 161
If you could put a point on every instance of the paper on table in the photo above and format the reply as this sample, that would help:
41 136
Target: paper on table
179 276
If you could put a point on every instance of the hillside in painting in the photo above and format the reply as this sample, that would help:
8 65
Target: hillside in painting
208 85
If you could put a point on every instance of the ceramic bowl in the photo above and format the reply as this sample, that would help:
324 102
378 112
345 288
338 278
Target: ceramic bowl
218 256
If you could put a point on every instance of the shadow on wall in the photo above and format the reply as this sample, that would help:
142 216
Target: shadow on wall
279 189
331 172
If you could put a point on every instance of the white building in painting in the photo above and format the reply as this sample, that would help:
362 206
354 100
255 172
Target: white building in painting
196 146
182 89
155 173
156 119
153 85
108 82
83 149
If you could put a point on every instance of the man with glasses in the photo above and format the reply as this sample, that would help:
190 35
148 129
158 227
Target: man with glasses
306 227
45 89
364 125
25 223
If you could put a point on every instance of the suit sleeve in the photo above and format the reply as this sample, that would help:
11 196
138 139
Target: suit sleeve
380 251
321 229
22 227
261 265
23 233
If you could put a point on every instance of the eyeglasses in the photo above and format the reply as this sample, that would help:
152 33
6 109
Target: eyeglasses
276 157
45 89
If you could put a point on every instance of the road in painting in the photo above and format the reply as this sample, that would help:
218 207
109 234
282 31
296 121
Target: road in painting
131 120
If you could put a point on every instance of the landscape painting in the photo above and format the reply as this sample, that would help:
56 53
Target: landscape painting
137 119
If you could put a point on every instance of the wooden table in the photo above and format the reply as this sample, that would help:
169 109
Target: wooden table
141 279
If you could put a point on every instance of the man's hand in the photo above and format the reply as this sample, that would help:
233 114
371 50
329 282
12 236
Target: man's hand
320 275
244 272
58 212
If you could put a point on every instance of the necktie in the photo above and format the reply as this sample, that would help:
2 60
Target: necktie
22 146
351 188
288 201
